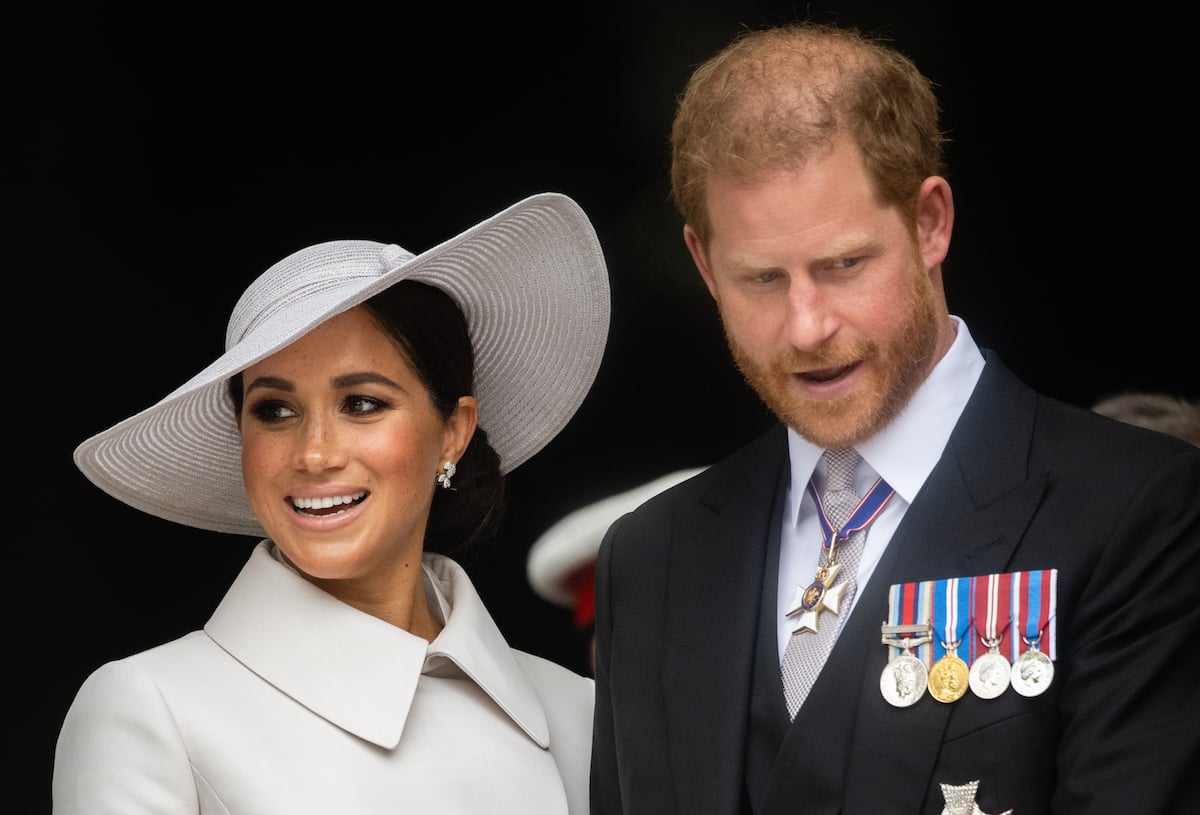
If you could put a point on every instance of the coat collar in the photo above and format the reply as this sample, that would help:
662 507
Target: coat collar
355 670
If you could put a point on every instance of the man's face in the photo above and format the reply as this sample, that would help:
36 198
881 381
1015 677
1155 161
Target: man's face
832 308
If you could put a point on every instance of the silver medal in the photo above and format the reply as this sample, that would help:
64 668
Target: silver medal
905 677
903 680
1032 673
990 674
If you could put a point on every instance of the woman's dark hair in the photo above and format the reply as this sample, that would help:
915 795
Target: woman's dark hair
431 332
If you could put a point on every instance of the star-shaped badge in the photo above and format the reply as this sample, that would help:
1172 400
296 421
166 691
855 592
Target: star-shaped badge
817 596
960 800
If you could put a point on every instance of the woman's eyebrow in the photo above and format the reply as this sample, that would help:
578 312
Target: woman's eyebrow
273 382
361 377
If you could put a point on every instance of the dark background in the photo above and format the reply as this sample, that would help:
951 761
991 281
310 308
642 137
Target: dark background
159 160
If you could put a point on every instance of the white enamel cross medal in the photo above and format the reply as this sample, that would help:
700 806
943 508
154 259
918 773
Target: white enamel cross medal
817 596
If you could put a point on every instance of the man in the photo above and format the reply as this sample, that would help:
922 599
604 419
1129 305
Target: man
991 529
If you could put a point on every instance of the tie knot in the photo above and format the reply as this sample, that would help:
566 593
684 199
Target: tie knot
840 465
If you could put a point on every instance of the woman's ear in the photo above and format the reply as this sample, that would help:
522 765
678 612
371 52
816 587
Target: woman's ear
460 427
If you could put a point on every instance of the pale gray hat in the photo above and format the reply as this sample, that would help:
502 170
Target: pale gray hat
531 282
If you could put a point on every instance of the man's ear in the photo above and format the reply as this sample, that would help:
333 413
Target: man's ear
935 220
696 248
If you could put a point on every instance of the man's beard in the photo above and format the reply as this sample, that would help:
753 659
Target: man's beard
897 371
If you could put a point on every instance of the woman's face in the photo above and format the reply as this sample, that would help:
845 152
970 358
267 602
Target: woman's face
340 448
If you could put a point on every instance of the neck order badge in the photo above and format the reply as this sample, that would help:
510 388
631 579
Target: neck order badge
844 520
821 594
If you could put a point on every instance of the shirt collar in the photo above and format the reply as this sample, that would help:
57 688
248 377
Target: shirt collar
905 452
355 670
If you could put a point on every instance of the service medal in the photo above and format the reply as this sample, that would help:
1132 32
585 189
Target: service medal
905 677
1032 672
952 607
989 674
990 670
903 680
948 679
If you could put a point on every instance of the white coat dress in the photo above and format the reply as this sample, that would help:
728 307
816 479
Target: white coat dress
290 701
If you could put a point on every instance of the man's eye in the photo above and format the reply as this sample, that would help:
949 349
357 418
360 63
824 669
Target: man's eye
767 277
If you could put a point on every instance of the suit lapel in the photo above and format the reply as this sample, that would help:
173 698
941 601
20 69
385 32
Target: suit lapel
713 595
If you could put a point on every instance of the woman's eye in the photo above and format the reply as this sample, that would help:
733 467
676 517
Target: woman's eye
271 410
363 405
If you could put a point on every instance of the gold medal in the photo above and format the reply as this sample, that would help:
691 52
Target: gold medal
948 678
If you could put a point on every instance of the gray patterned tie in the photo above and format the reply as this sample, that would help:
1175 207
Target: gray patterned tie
806 651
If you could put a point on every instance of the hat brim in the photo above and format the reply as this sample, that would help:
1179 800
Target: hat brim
571 543
531 282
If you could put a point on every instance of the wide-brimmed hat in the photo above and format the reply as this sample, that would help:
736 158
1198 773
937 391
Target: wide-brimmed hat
561 561
531 282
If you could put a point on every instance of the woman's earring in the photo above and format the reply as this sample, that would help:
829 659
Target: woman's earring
443 478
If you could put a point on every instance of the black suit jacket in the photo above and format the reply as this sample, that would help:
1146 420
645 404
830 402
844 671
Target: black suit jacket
1025 483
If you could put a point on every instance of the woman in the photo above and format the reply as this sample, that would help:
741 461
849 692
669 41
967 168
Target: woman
362 417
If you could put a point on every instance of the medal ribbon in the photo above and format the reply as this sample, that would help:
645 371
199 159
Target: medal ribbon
993 608
1008 606
951 613
911 604
1034 596
868 510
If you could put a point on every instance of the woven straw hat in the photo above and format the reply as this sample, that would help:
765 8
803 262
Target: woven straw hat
530 280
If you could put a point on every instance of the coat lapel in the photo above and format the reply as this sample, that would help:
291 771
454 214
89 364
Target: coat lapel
713 595
285 629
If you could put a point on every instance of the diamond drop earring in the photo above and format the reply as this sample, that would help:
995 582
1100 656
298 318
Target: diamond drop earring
443 478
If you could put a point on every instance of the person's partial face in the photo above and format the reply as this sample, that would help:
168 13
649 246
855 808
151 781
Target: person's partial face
832 307
341 444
